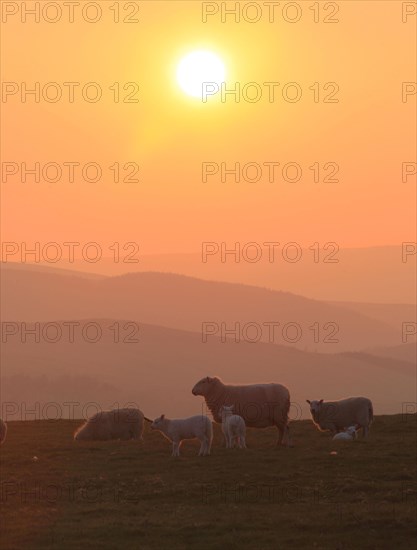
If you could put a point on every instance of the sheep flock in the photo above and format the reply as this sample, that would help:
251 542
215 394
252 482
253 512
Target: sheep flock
235 407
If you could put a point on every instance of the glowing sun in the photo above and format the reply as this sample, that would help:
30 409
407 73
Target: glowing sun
198 67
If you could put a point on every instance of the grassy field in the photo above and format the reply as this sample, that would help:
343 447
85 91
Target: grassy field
56 493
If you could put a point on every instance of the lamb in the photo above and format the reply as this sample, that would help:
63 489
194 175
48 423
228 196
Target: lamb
260 405
336 415
3 431
348 435
121 424
176 430
233 427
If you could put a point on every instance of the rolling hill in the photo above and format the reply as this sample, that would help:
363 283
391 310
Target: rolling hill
188 303
372 274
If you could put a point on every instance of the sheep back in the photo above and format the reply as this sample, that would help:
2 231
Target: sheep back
122 424
344 412
260 405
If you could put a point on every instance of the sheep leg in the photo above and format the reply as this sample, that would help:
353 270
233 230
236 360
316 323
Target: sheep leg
283 430
209 444
334 430
280 435
203 447
206 446
288 436
175 448
225 435
365 431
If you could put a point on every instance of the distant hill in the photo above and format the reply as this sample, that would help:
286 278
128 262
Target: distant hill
400 366
42 268
404 352
373 274
187 303
159 371
392 314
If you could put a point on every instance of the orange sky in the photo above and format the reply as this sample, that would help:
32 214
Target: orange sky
369 133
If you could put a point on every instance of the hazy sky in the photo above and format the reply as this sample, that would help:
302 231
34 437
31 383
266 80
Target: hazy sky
368 133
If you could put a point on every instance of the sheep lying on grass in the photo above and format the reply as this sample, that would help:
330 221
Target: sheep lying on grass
3 431
176 430
348 435
122 424
335 415
233 427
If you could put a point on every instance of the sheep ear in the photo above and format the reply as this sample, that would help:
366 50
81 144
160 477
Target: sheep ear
321 401
208 379
308 401
162 416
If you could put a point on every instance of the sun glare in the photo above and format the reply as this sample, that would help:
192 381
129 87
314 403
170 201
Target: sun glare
198 67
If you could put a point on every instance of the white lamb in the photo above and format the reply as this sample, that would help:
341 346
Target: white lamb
348 435
177 429
233 427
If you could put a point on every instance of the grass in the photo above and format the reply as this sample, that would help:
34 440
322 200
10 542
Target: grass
135 496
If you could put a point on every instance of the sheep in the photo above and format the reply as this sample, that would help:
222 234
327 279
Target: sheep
348 435
260 405
336 415
3 431
233 427
121 424
178 429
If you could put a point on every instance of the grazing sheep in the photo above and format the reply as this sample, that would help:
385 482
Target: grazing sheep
176 430
3 431
233 427
335 415
260 405
115 424
348 435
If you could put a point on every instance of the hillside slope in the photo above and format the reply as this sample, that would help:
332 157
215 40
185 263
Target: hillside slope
188 303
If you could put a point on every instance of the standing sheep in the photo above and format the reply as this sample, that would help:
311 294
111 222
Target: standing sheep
260 405
336 415
176 430
3 431
348 435
233 427
122 424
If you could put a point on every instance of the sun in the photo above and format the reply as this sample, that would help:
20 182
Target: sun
198 67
